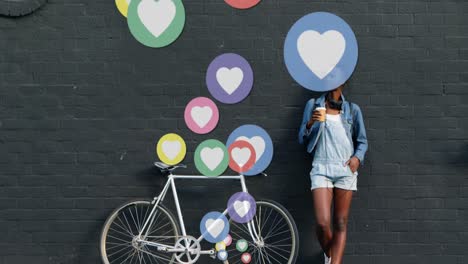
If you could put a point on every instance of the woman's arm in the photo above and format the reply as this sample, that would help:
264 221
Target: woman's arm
359 134
304 130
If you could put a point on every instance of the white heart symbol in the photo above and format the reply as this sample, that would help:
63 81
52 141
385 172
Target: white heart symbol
156 16
242 208
246 258
229 79
242 244
201 115
258 143
212 157
171 148
241 155
321 52
214 227
223 254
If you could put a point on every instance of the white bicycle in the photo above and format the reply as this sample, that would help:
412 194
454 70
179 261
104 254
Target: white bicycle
145 231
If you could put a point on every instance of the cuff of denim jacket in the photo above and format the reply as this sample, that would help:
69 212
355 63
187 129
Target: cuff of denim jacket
360 157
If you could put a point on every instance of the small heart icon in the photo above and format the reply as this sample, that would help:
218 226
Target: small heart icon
171 148
228 240
201 115
222 255
214 227
241 155
246 258
212 157
258 143
242 245
156 16
229 79
321 52
242 208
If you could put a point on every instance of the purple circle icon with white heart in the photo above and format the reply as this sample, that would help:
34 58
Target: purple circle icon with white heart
242 207
229 78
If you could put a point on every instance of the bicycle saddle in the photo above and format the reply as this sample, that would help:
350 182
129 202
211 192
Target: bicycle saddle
165 167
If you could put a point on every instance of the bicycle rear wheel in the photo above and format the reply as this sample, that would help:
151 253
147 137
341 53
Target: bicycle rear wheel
279 238
119 235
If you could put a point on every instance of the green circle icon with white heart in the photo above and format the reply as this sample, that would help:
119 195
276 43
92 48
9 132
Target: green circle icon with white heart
156 23
211 158
242 245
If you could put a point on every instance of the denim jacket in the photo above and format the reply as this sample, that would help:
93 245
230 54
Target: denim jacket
352 121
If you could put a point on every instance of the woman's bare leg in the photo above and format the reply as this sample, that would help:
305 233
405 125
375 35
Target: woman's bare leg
342 202
322 207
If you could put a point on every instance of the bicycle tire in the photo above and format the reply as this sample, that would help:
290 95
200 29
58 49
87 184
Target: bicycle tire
115 213
290 223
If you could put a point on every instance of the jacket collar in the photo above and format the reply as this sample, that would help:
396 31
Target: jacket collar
321 102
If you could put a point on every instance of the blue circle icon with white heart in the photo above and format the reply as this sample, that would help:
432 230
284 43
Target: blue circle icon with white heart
214 227
321 51
260 141
222 255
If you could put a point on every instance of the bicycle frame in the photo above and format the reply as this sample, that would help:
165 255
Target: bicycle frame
159 199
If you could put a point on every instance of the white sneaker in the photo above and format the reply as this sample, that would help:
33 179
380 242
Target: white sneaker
327 259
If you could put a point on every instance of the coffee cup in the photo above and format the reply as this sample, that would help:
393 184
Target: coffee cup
323 112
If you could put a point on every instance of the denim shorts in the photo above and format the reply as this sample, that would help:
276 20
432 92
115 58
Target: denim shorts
333 176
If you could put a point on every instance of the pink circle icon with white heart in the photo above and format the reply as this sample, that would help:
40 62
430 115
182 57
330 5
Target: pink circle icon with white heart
242 207
229 78
201 115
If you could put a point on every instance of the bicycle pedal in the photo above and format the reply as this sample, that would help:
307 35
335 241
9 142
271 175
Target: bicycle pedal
212 253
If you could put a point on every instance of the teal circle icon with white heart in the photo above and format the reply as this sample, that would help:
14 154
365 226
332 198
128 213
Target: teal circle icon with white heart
211 158
156 23
214 227
321 51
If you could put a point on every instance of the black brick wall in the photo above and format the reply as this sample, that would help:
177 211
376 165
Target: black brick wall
82 105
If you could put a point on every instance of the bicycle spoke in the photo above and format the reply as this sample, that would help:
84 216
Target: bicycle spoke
159 228
110 255
154 219
126 235
277 234
121 226
138 219
275 252
132 254
120 245
133 217
157 261
274 221
126 220
266 219
277 248
146 214
276 226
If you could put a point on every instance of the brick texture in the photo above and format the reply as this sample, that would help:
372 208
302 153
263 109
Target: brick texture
82 105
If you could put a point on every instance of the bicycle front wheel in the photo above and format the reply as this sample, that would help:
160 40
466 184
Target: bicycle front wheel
278 241
119 242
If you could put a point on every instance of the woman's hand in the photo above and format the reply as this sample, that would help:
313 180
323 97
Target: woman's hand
353 163
316 116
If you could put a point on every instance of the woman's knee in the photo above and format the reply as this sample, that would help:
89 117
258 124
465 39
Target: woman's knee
323 225
340 223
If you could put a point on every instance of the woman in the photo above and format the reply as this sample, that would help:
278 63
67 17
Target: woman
336 138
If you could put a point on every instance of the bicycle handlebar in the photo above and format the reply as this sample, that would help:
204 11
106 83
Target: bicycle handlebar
165 168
